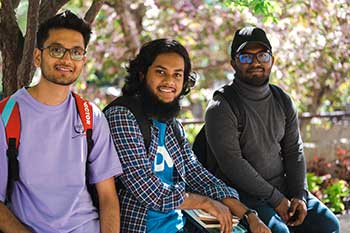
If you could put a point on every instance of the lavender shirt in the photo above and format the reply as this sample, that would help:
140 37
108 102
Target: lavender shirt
51 195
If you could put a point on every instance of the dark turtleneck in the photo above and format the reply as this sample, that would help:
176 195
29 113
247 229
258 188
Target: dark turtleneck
255 162
252 92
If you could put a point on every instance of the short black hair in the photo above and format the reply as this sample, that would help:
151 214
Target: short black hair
145 58
67 20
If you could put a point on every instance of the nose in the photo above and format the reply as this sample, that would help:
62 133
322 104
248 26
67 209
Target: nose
255 60
66 55
169 79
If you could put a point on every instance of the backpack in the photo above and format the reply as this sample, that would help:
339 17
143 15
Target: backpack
133 103
11 119
200 145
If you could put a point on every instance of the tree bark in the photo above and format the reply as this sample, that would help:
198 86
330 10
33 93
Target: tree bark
15 3
93 11
129 25
48 8
11 46
17 51
25 70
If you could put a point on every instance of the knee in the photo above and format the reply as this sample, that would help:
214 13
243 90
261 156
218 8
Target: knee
334 225
329 224
278 227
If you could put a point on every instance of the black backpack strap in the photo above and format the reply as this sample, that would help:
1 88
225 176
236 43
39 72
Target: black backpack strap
10 116
231 96
134 105
200 147
90 141
177 131
13 167
282 98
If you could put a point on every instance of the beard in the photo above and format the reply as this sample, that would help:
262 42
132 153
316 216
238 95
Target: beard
49 76
253 80
156 108
58 81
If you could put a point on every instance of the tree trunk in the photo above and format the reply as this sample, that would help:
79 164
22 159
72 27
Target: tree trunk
129 25
93 11
17 51
49 8
25 70
11 45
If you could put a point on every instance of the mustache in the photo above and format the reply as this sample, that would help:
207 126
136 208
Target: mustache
256 68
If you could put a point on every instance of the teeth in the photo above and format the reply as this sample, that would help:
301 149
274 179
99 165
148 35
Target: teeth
65 69
164 89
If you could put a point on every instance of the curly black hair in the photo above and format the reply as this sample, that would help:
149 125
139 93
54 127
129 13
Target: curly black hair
67 20
145 58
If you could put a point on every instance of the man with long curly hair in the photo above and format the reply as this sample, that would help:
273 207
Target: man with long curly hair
161 180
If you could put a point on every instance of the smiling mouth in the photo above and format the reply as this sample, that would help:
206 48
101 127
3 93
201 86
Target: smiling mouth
64 68
167 89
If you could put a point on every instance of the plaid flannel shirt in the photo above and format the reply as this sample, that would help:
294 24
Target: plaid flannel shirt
142 190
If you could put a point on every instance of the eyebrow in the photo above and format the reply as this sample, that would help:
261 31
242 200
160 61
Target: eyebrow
59 44
164 68
259 51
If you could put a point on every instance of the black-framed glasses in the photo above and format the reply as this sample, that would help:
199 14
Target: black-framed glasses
247 58
58 51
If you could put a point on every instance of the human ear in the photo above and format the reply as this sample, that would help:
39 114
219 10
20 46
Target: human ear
141 76
37 57
272 60
84 60
233 64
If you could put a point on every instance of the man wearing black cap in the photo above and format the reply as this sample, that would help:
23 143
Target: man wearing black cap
263 159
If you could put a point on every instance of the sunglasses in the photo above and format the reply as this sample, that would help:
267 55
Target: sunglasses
247 58
57 51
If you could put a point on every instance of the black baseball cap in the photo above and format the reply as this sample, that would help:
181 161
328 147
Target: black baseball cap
248 35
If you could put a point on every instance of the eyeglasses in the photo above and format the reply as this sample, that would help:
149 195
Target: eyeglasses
57 51
247 58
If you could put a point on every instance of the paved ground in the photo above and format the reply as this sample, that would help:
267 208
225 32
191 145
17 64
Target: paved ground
344 223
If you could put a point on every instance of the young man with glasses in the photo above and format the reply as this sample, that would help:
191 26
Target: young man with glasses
264 161
55 163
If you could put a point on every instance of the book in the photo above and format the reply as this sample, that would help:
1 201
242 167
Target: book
207 220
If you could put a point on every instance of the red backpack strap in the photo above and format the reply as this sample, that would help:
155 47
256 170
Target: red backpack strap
11 119
85 112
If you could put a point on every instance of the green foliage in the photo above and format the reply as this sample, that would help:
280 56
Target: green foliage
329 180
313 182
267 9
339 168
335 194
21 14
309 40
191 131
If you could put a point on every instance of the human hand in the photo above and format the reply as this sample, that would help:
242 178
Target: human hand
283 209
256 225
221 212
297 212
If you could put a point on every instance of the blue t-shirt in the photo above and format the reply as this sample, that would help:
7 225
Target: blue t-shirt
163 167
